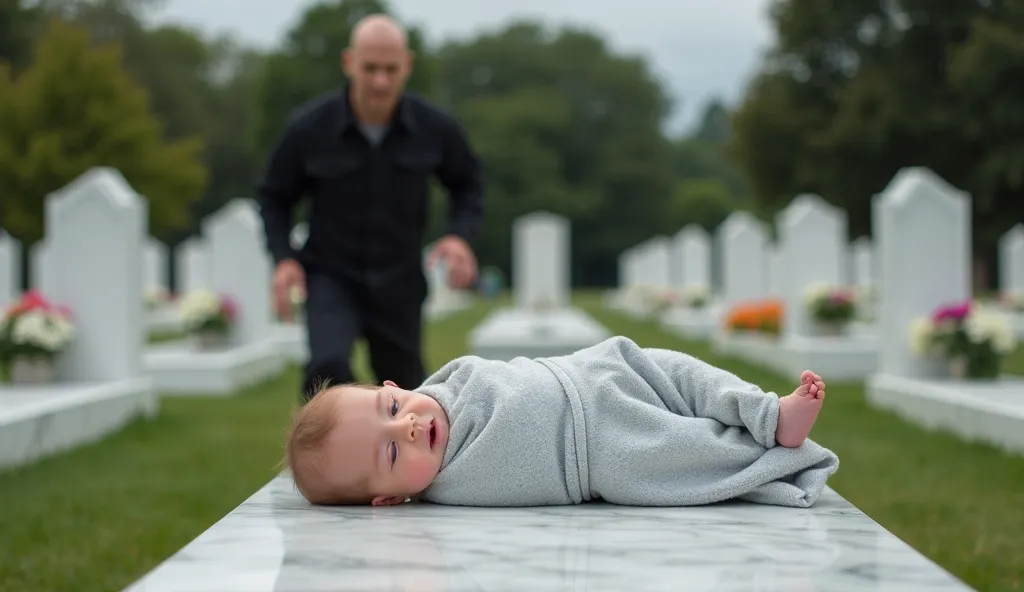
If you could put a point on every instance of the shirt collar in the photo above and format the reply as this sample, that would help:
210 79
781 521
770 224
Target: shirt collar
346 117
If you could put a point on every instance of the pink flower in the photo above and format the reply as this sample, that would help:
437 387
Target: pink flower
229 307
952 312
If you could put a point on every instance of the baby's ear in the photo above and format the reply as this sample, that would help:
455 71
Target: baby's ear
390 383
380 500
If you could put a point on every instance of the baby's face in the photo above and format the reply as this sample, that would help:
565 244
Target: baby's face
390 440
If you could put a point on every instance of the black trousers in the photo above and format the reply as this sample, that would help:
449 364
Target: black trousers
389 316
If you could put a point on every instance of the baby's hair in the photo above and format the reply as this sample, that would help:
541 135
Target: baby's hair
304 452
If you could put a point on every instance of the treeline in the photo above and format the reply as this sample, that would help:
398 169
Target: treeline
562 122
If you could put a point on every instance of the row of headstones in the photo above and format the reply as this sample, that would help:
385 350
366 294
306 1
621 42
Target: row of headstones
96 229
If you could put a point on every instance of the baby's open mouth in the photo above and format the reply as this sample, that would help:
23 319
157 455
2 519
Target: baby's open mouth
432 434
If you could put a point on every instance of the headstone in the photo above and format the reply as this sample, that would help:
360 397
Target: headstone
694 249
743 241
657 263
540 260
96 228
776 272
923 234
862 262
39 256
10 269
154 265
1011 259
812 243
193 265
239 268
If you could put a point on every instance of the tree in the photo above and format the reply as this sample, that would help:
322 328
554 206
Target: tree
73 109
309 64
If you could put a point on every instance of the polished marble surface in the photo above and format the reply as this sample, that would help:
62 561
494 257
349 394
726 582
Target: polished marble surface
274 542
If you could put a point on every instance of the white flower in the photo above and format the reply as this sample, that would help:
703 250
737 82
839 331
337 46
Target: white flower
197 307
155 296
816 292
922 332
41 329
985 325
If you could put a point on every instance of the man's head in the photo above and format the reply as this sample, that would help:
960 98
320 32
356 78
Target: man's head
366 445
378 63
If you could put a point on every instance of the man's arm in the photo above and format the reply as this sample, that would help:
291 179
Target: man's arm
283 184
460 172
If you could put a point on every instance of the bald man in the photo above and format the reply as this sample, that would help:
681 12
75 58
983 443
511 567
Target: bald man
363 155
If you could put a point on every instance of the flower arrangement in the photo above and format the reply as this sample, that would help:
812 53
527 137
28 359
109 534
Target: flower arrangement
763 316
972 337
32 333
830 305
155 297
207 314
1013 300
695 296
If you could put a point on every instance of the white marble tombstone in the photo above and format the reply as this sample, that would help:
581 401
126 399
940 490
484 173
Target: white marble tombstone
657 268
922 227
776 272
96 228
193 265
693 245
239 268
39 255
540 260
154 265
862 262
813 247
299 235
1011 259
10 269
743 241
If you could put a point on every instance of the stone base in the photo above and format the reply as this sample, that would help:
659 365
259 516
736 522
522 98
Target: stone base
276 541
164 319
291 341
834 358
691 323
177 367
39 420
513 332
435 309
991 412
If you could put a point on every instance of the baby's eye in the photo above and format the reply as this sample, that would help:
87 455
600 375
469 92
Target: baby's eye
394 407
394 453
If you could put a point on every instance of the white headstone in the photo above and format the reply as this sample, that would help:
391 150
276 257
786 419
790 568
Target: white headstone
10 269
862 262
239 267
154 265
693 251
812 246
776 272
39 255
743 241
96 228
193 265
299 235
1011 259
540 260
657 262
923 235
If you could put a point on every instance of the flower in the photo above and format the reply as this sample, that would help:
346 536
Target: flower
33 327
1014 299
828 303
204 310
695 295
921 335
968 330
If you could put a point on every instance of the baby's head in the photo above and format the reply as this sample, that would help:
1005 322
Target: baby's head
353 445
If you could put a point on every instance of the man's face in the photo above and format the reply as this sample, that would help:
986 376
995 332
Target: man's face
378 72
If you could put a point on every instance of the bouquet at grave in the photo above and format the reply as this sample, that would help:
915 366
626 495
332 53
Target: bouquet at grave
833 305
34 330
696 296
203 311
972 337
1013 300
763 316
155 297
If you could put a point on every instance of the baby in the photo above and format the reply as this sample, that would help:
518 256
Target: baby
612 422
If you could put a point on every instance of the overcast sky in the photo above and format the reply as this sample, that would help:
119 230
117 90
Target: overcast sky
699 48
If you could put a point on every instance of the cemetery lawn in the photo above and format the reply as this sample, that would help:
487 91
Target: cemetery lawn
100 517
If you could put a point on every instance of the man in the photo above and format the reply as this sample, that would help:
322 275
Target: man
363 155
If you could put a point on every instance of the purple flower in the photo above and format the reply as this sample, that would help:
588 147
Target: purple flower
952 312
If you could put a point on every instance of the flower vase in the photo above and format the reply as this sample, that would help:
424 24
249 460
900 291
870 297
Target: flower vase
32 371
958 367
210 340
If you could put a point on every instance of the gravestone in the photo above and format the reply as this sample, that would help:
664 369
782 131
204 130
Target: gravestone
862 263
193 264
743 242
540 261
923 233
154 265
39 255
693 245
776 272
657 263
239 268
96 228
812 247
10 269
1011 259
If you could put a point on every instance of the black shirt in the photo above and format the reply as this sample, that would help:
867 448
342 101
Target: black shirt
368 202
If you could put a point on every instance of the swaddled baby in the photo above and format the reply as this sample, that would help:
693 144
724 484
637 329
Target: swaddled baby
612 422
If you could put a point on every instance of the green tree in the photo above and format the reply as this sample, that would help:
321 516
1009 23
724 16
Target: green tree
73 109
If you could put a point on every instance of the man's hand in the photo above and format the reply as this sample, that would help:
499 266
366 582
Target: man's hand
287 274
461 261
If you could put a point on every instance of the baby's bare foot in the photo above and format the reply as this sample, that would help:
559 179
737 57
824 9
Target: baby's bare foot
798 411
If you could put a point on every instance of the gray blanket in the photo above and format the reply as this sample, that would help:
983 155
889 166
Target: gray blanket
619 423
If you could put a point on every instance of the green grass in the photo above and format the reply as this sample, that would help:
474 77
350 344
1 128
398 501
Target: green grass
101 516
